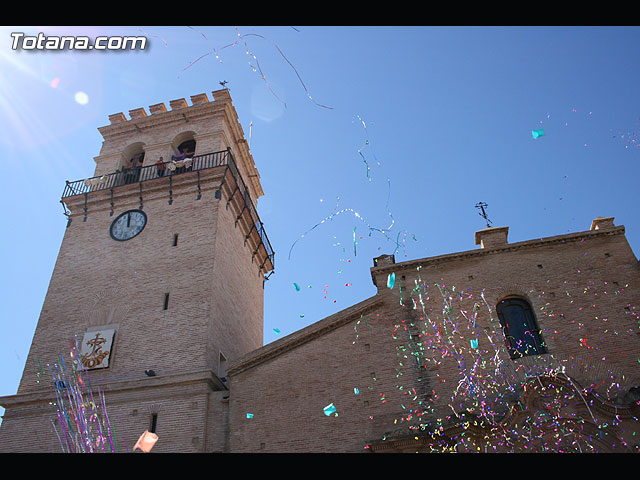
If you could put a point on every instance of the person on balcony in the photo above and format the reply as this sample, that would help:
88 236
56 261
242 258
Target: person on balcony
134 169
160 168
182 161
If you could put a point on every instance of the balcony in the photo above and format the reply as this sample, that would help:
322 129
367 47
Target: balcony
238 192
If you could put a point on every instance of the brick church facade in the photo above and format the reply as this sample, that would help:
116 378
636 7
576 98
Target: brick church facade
510 347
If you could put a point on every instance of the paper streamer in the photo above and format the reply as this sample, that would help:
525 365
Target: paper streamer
257 68
81 411
391 280
445 327
337 212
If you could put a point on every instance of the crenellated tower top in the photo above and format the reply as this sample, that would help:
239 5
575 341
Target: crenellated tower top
162 133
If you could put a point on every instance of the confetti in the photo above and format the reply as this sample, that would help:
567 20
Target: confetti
443 329
537 133
354 242
330 409
391 280
81 411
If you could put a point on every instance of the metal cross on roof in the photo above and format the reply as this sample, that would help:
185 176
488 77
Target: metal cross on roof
482 213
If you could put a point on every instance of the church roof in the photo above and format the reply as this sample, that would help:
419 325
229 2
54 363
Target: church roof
305 335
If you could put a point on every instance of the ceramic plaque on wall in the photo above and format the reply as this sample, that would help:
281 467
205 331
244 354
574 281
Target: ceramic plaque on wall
95 349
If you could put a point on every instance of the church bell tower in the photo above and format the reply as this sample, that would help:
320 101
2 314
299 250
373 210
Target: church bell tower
159 281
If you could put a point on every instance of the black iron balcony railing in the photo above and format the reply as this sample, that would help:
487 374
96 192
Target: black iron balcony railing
110 180
169 169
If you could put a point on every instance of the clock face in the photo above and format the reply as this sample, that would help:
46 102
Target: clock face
128 224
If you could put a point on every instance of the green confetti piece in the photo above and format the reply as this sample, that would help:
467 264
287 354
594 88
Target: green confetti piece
537 133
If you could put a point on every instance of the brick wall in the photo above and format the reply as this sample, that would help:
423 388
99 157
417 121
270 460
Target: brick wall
193 249
581 287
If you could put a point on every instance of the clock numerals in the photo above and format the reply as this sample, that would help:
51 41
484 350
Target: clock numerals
128 224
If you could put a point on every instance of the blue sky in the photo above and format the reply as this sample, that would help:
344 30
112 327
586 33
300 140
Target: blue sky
409 127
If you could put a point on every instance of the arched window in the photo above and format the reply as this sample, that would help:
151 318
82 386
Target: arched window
131 162
187 148
520 328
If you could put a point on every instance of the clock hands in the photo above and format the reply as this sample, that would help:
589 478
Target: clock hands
128 225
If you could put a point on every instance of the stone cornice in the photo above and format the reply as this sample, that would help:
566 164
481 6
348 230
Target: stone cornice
481 252
172 380
304 335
